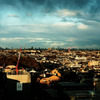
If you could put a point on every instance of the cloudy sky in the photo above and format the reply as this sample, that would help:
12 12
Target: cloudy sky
50 23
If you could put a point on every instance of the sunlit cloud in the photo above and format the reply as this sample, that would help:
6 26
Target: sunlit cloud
64 24
71 40
55 44
65 12
36 39
13 15
82 26
21 38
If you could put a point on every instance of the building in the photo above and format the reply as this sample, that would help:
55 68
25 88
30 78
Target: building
93 63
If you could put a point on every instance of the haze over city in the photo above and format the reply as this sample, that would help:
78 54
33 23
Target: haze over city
50 23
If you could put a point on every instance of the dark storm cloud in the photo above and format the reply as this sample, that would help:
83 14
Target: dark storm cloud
90 6
76 4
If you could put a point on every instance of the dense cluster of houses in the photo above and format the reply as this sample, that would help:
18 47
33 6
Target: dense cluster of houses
59 68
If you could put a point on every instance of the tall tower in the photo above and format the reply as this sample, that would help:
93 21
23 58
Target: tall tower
18 60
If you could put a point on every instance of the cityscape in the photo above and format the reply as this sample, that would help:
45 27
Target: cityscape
50 49
50 74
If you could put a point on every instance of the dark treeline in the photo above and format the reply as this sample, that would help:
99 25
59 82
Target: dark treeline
24 62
